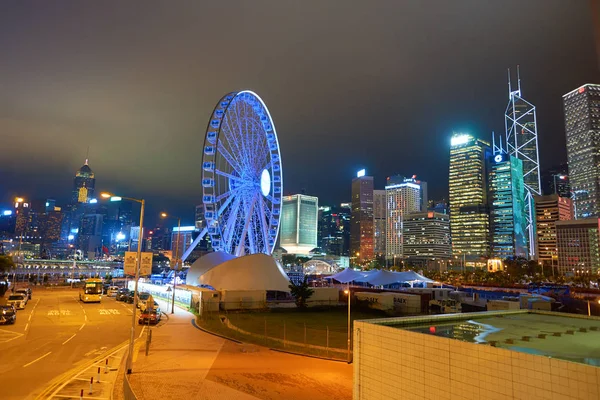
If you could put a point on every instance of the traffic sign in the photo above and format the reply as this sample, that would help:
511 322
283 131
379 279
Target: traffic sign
130 263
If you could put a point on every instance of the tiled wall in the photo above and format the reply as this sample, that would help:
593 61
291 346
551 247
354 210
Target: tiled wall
392 363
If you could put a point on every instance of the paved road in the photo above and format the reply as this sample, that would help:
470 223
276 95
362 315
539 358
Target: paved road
53 334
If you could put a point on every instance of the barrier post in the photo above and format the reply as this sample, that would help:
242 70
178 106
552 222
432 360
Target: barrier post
91 385
81 395
106 367
98 377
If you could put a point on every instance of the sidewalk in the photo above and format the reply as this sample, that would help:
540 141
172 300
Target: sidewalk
185 362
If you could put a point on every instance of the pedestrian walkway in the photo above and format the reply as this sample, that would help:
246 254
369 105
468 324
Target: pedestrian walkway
187 363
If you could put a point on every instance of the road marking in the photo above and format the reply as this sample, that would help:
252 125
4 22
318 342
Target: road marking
7 333
59 312
82 326
69 338
85 317
109 311
26 326
30 316
37 359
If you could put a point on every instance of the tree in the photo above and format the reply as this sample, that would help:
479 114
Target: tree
6 264
301 292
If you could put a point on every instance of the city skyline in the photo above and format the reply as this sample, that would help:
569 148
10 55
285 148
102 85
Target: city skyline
136 150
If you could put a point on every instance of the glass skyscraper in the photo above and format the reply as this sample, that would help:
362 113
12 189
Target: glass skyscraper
299 215
83 185
379 221
469 219
507 214
402 199
361 227
582 127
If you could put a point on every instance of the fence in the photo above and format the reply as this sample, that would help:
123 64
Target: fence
317 333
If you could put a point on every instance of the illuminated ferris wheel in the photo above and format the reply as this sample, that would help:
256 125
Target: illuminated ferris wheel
242 176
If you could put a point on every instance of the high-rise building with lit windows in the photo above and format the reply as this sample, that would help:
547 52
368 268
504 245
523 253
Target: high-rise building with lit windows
83 185
299 217
379 221
427 236
469 218
578 245
549 210
508 222
582 127
402 199
361 222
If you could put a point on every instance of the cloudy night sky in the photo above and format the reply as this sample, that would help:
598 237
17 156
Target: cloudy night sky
350 84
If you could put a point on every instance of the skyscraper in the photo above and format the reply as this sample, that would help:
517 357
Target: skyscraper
401 199
507 207
361 228
582 127
549 210
83 185
469 220
379 221
522 142
334 229
427 236
578 244
299 215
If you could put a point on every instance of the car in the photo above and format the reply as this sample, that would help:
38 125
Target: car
112 291
143 306
17 300
8 314
25 292
130 296
149 317
142 297
122 294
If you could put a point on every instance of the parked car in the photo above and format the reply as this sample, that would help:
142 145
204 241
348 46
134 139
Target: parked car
144 304
112 291
122 294
149 317
142 297
17 300
25 292
130 296
8 314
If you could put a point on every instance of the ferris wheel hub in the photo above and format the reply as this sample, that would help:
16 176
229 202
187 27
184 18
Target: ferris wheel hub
265 182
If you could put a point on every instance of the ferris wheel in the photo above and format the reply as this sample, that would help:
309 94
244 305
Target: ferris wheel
241 176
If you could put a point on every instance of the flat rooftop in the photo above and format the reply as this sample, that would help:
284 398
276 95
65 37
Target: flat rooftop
565 336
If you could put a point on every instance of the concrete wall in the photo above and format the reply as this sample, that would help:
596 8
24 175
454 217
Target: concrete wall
391 363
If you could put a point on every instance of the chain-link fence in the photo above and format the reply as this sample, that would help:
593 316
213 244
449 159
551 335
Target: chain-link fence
322 333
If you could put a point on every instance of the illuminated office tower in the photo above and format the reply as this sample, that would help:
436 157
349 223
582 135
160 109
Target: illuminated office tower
522 142
83 185
361 221
402 199
507 212
582 127
469 219
549 210
578 245
427 237
379 221
299 218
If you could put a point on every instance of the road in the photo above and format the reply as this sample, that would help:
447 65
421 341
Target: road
53 334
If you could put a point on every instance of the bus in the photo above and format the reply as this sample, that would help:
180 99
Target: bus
91 291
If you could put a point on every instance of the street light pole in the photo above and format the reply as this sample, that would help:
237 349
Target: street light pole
176 265
137 272
349 323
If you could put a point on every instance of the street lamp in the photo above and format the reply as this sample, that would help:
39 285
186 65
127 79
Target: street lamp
347 291
165 215
19 200
106 195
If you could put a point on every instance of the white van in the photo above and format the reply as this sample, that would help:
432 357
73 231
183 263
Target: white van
112 291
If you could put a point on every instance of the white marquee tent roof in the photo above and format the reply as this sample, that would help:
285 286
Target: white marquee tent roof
378 277
251 272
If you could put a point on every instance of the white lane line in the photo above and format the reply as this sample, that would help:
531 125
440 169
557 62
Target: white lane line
27 326
142 332
30 317
86 318
69 338
37 359
82 325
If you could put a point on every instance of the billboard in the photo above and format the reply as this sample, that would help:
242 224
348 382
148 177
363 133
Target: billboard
130 263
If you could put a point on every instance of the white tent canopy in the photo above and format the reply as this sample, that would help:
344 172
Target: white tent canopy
347 275
383 277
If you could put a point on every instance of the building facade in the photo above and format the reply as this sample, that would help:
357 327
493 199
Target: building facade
427 236
379 222
361 222
549 210
469 218
299 216
578 246
401 199
582 127
334 229
507 207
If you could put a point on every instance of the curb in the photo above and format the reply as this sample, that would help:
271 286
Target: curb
309 355
214 334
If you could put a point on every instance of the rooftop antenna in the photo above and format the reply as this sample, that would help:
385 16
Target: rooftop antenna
87 155
519 78
509 86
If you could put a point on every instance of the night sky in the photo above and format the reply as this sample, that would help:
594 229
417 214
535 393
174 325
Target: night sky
350 84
